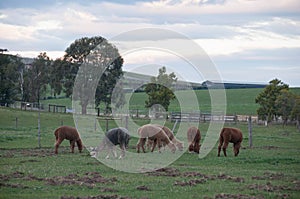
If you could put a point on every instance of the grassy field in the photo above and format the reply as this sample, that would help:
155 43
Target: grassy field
239 101
268 170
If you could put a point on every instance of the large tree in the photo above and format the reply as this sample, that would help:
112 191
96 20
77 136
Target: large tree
36 78
284 104
10 67
295 113
160 90
267 100
99 61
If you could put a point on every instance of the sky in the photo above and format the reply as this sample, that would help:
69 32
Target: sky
248 41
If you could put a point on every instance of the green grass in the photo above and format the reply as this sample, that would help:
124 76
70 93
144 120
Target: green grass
239 101
270 169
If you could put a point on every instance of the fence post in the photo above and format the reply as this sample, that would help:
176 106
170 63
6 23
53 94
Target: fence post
126 121
16 122
250 131
106 125
39 129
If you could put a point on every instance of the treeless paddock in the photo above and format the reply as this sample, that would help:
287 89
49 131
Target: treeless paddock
232 135
194 137
69 133
156 134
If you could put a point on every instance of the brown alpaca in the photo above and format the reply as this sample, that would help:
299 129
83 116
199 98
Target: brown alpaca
232 135
171 136
69 133
156 134
194 137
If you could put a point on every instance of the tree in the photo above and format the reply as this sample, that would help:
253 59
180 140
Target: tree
100 62
9 78
56 76
267 98
160 89
284 104
36 78
295 113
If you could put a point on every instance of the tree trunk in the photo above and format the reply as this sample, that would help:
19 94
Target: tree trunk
83 108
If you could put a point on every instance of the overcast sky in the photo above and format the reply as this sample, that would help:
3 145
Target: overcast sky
247 40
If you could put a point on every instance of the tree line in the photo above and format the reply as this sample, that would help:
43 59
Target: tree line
276 100
29 82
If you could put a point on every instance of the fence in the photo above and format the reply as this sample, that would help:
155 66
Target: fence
207 117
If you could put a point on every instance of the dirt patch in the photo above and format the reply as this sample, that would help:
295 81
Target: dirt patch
269 176
89 179
95 197
167 171
24 161
237 196
190 182
231 178
13 185
269 187
43 152
143 188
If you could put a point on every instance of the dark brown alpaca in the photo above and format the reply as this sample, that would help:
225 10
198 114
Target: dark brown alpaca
232 135
69 133
194 137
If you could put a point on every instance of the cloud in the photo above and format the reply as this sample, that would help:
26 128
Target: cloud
235 32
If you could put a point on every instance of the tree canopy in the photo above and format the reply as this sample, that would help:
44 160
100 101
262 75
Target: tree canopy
267 98
10 78
100 62
160 90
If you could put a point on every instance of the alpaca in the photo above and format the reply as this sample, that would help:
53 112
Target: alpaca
194 137
232 135
69 133
171 136
155 134
116 136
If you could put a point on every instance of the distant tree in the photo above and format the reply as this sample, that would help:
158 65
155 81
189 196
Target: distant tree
9 78
267 98
94 55
57 74
284 104
160 90
295 113
36 78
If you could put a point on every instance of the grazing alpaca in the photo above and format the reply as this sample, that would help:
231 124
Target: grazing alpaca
69 133
194 137
156 134
232 135
171 136
116 136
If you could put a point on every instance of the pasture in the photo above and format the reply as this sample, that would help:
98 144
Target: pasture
239 101
268 170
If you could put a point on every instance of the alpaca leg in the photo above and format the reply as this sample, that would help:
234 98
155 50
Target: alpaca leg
196 147
58 142
123 149
159 143
79 145
220 146
224 147
154 145
72 145
236 148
